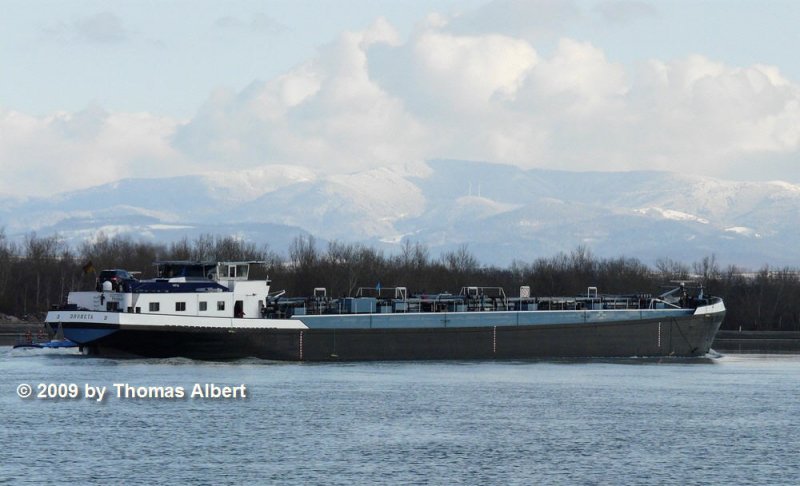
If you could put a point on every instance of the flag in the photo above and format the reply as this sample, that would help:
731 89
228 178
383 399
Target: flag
88 268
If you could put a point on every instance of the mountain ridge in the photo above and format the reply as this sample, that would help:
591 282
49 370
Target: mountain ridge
501 212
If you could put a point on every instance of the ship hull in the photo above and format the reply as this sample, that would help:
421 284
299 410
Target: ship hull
686 335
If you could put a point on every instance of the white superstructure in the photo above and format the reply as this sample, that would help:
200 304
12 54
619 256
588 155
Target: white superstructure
222 291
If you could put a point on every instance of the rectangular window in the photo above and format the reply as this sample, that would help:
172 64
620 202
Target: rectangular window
220 305
138 310
112 306
154 306
180 306
203 306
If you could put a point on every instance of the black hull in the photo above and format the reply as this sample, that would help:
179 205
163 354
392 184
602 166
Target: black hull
688 336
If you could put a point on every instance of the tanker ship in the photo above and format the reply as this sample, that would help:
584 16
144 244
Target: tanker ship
214 311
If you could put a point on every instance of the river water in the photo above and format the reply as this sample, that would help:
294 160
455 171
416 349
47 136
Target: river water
733 419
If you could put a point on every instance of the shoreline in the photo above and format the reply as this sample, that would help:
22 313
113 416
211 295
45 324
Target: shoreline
757 342
11 332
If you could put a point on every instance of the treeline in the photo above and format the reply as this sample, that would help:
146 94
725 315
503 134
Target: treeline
40 271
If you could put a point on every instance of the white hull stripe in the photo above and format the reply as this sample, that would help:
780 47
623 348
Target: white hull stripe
164 320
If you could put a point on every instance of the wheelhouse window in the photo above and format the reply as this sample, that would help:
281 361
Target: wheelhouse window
180 306
155 306
203 306
239 271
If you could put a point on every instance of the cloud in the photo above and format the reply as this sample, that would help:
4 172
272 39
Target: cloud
708 113
471 72
326 113
51 154
625 11
257 22
533 20
371 99
99 28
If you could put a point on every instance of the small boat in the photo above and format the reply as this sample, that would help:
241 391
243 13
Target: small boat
212 310
42 341
52 338
51 344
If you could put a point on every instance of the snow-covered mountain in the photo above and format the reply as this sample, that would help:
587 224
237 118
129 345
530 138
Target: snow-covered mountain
501 212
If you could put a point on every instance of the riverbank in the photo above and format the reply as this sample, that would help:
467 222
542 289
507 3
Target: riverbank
11 332
757 342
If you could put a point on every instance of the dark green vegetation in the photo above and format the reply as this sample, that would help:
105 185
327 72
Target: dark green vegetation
41 271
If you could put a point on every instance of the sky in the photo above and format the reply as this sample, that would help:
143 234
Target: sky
95 91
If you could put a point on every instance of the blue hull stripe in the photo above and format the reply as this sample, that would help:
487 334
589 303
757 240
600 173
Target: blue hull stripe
85 335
